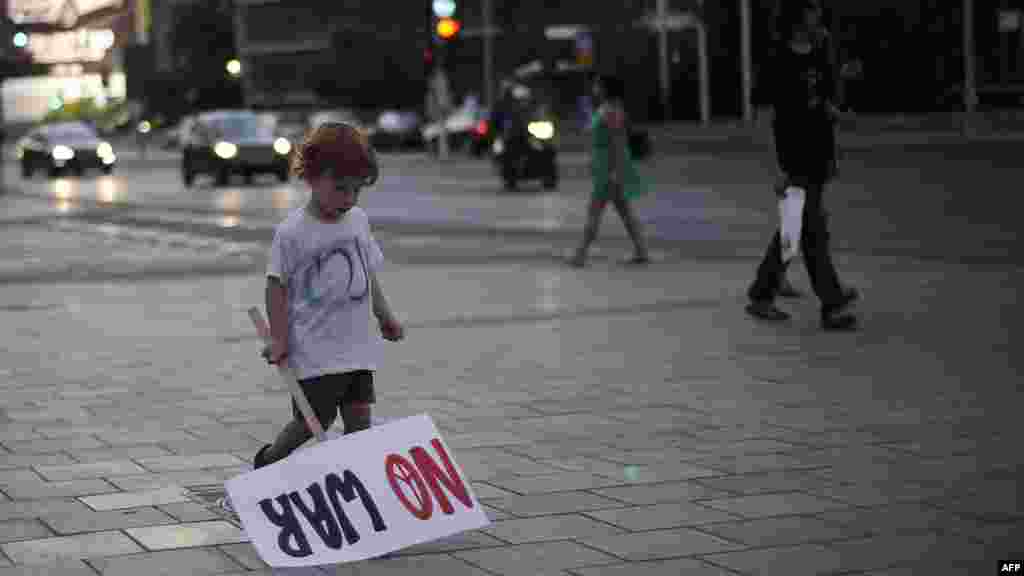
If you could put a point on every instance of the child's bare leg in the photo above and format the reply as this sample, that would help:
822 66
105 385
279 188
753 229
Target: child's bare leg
294 434
356 416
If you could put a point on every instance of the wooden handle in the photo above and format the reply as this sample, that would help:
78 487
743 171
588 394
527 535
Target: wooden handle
262 328
293 385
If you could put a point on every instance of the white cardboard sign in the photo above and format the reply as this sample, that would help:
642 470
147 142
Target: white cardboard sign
791 210
356 497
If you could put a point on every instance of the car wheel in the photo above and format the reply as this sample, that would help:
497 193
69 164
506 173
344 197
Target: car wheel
79 171
509 173
223 177
26 169
550 181
550 174
108 170
54 171
283 175
509 177
187 175
248 175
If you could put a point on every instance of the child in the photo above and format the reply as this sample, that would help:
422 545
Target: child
322 286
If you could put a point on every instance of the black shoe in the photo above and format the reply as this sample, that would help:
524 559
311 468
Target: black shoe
786 290
838 317
637 260
839 321
766 311
261 458
849 296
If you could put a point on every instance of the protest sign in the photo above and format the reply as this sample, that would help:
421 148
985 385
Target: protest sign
791 210
355 497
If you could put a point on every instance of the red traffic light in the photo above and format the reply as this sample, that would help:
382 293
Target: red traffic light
448 27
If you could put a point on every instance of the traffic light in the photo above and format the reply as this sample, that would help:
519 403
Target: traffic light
446 25
447 28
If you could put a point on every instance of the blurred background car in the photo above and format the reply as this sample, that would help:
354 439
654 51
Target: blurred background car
469 129
319 117
226 142
173 137
397 130
64 146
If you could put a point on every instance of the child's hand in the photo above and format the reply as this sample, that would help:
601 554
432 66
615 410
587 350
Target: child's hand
275 352
391 329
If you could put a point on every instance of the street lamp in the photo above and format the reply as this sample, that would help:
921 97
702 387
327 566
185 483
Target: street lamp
234 67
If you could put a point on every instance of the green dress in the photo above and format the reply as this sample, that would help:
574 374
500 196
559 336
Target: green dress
600 161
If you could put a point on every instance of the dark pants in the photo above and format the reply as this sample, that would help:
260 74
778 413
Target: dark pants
817 256
326 394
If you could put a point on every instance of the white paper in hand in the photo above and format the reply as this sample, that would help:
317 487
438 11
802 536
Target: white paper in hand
791 209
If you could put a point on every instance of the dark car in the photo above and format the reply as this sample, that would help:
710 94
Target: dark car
227 142
65 146
397 130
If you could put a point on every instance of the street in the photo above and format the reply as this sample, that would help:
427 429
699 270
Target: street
613 420
949 202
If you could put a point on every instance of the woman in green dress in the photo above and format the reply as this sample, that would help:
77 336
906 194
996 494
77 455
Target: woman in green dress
613 171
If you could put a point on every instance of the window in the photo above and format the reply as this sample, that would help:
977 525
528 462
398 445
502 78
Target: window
291 22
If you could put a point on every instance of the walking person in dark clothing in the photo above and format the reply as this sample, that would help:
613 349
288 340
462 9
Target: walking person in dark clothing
803 85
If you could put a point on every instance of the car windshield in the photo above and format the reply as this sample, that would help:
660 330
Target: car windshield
70 131
243 127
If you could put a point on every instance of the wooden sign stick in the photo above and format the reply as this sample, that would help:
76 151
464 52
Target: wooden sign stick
307 411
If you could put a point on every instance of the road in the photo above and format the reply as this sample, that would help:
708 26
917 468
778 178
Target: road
947 202
611 421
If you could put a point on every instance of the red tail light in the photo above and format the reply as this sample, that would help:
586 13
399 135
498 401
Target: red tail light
482 127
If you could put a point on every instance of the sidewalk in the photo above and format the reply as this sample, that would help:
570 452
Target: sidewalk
613 421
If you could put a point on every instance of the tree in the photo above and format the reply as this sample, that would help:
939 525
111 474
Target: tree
203 41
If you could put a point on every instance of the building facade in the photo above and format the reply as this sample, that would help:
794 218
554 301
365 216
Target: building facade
371 54
71 51
299 51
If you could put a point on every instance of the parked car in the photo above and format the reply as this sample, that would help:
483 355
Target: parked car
469 128
482 139
319 117
396 129
64 146
226 142
173 137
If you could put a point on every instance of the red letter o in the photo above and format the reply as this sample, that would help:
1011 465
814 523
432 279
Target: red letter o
400 469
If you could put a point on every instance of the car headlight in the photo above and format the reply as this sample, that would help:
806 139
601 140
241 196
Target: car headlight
282 146
104 150
543 130
225 150
62 152
498 147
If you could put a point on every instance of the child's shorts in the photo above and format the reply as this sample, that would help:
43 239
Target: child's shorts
328 393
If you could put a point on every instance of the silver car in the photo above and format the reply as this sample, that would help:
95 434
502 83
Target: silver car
229 142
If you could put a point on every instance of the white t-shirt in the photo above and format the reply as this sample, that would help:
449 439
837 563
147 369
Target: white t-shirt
324 267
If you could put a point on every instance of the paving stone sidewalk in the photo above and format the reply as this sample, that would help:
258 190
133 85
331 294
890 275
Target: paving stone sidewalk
614 421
